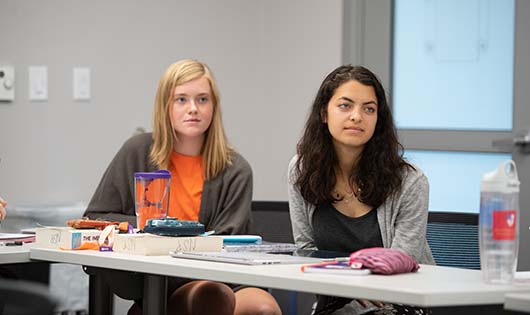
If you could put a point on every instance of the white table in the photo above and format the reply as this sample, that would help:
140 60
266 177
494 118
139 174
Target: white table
15 261
518 302
431 286
14 254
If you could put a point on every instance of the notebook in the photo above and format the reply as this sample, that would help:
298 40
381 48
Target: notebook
246 258
241 239
264 247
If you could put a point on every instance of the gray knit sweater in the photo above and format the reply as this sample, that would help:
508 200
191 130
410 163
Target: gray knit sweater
402 217
225 201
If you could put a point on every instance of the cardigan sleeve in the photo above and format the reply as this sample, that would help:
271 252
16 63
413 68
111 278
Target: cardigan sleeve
411 221
226 203
114 196
299 212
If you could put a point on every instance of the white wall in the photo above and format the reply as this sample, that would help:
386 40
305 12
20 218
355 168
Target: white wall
269 58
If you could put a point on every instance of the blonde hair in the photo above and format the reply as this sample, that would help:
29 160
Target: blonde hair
216 152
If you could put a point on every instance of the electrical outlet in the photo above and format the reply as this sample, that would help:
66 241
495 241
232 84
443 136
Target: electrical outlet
7 83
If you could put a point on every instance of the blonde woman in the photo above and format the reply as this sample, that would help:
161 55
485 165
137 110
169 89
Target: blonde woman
210 183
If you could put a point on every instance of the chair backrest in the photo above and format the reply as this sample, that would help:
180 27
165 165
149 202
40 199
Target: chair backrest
19 297
453 238
271 220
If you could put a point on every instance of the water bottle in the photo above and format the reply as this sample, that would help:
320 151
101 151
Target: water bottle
499 223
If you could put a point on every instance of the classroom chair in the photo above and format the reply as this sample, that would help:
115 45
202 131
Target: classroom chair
453 238
20 297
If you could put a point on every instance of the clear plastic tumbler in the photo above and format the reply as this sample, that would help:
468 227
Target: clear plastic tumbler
151 191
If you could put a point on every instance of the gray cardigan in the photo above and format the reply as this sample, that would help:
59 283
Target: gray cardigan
402 217
225 201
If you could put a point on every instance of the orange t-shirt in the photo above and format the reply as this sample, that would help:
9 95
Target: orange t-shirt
187 179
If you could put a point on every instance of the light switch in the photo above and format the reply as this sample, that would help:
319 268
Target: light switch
7 83
38 83
82 84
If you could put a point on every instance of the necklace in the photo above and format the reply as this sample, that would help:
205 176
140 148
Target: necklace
348 196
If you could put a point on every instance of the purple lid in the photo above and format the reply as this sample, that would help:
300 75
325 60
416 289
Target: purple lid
153 175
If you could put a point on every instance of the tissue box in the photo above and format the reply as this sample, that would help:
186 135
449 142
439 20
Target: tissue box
64 237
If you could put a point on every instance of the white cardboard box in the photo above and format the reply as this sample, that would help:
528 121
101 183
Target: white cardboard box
64 237
155 245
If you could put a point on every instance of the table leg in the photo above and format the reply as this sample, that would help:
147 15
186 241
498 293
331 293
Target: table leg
100 301
155 295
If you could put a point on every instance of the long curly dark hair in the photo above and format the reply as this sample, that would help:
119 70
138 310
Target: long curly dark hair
379 169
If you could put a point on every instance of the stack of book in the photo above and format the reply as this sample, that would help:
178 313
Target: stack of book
156 245
254 243
265 247
59 237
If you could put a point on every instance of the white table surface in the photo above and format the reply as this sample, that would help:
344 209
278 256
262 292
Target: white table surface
431 286
518 302
14 254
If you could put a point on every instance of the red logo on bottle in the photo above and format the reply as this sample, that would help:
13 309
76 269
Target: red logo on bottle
504 224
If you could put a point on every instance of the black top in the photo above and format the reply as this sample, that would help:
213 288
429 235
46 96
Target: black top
337 232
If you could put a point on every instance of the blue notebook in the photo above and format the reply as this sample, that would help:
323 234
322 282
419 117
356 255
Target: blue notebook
241 239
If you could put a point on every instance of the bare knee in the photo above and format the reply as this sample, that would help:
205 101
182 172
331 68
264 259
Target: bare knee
213 298
254 301
213 290
202 297
259 309
267 309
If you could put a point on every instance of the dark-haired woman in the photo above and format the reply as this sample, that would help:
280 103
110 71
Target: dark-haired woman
349 186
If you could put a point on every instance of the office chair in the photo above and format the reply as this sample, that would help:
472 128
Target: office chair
19 297
271 220
453 238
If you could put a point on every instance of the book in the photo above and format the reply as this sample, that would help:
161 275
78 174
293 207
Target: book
241 239
9 238
13 236
28 231
156 245
265 247
341 267
64 237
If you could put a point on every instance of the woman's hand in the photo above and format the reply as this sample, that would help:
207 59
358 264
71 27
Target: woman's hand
3 205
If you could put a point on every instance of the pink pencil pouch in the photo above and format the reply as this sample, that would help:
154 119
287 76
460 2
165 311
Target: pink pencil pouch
384 261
